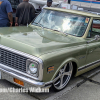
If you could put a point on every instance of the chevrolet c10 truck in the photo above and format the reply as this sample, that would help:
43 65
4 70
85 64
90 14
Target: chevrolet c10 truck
58 44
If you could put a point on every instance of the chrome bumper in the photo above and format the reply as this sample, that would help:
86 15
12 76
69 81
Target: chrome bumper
28 82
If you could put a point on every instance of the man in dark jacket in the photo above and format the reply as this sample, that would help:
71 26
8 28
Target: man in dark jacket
6 18
25 13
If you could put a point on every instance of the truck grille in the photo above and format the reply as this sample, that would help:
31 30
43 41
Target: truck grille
13 60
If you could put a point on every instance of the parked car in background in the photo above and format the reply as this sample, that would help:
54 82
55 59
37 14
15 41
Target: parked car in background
59 43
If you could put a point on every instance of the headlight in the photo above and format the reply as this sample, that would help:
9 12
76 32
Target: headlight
33 68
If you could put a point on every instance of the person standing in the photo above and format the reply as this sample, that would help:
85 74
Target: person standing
25 13
49 3
6 18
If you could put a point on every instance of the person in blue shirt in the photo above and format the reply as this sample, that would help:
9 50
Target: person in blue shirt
6 18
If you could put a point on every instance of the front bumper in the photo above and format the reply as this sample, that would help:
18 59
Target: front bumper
9 75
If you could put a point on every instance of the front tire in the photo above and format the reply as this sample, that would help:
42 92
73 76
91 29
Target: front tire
63 77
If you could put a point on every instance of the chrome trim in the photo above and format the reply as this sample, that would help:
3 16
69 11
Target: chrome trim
30 57
28 82
15 71
88 65
50 82
27 67
25 79
96 37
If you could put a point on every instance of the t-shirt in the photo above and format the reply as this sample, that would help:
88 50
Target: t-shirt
25 13
5 8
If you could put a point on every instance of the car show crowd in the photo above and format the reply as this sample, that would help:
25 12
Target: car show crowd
25 13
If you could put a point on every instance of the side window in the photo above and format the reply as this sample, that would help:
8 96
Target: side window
95 29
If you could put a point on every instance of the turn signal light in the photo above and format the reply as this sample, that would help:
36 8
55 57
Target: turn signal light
50 69
18 82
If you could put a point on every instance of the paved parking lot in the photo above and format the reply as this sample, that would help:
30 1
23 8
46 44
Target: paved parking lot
87 91
78 89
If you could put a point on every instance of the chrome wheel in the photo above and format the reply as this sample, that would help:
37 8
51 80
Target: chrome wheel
63 76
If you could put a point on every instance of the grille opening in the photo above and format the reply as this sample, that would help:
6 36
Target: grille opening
13 60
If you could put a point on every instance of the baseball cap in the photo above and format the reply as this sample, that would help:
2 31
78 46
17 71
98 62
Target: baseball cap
49 1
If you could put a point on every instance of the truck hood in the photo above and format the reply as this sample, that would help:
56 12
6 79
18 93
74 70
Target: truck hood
36 41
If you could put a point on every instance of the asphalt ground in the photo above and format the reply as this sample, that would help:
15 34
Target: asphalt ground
87 91
77 89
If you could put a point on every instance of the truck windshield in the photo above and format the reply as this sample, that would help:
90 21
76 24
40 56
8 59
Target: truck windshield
63 22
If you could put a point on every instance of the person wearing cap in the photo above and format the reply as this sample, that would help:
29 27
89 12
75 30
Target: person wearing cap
49 3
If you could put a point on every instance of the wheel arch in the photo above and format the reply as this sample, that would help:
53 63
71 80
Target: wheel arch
75 66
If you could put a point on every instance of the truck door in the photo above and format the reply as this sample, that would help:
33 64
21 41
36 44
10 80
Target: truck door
93 47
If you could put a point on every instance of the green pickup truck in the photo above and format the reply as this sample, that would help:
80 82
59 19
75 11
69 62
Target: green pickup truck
59 43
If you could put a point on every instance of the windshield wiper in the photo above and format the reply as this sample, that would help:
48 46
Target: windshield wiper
61 32
35 23
40 26
52 29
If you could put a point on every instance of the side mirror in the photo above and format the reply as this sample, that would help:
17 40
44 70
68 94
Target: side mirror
96 37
